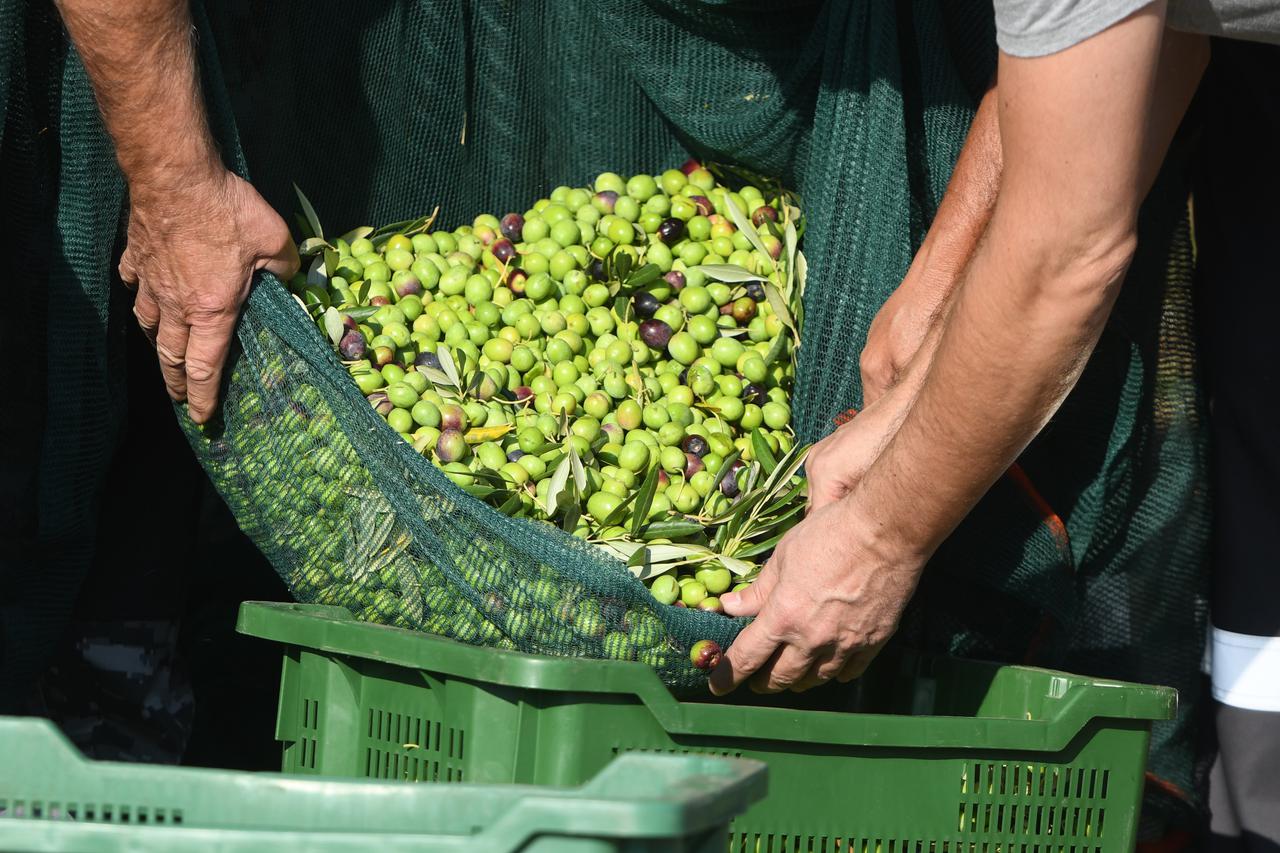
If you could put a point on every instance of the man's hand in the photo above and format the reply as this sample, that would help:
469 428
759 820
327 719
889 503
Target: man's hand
826 603
191 256
196 232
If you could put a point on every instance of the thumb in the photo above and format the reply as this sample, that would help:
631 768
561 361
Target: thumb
284 263
752 599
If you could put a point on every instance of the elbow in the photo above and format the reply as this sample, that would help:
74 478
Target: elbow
1085 265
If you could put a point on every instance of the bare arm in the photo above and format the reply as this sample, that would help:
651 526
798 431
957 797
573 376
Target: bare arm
196 231
1078 132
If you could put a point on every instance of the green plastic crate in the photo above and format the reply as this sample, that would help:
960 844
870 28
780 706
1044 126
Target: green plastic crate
951 756
52 798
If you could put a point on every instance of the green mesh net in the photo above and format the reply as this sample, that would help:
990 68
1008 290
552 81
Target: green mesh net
384 110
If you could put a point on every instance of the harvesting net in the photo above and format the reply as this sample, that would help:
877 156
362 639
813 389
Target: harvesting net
481 106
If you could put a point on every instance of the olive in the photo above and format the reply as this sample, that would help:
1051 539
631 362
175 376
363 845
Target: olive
645 304
755 393
452 417
654 333
697 445
381 404
764 214
755 289
351 347
427 359
729 485
671 231
605 201
512 227
451 446
693 464
744 309
693 593
711 604
503 250
379 300
704 205
705 654
676 279
665 589
595 269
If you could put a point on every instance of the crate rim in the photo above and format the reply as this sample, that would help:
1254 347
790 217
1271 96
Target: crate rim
334 630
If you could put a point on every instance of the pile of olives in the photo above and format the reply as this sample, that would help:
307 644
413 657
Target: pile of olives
617 360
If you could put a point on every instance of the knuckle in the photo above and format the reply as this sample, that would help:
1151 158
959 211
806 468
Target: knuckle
200 370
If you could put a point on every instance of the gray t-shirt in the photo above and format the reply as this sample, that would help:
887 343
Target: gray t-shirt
1041 27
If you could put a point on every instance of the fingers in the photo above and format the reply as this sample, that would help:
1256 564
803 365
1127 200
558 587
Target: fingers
786 667
750 651
128 270
826 666
171 348
745 603
858 662
207 346
147 312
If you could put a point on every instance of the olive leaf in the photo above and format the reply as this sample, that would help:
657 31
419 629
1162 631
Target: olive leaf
357 233
558 482
333 325
758 548
621 265
729 273
331 260
311 246
790 239
779 306
776 349
761 450
298 299
737 566
644 500
579 474
510 505
670 529
571 516
316 274
447 365
744 225
644 276
313 221
479 435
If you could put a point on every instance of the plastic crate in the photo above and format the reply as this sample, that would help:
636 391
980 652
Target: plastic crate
959 756
52 798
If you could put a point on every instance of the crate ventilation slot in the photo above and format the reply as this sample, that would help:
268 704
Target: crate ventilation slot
17 809
758 842
1033 800
411 748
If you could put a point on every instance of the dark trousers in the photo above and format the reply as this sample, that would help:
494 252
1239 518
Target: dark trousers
1237 209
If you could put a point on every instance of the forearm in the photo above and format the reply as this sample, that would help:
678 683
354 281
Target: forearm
141 61
970 197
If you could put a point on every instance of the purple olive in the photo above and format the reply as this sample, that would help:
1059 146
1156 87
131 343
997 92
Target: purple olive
646 304
704 205
755 393
671 231
705 654
352 346
692 464
729 485
764 214
695 444
514 454
607 199
380 403
452 418
503 250
512 227
379 300
683 377
427 359
451 446
690 166
523 392
409 286
675 278
663 479
726 308
595 269
756 290
349 322
515 281
655 333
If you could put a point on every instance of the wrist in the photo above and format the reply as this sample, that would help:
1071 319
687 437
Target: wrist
177 175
